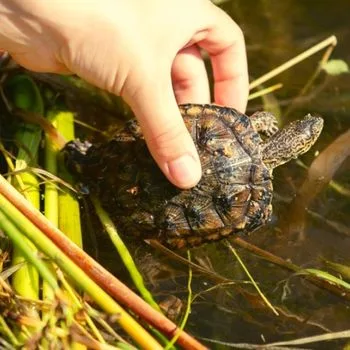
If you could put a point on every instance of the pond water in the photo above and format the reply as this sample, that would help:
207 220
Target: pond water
231 312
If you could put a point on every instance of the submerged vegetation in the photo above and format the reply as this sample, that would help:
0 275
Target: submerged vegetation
54 295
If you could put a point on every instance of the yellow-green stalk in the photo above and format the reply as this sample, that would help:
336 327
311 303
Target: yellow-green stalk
24 94
60 207
55 254
124 254
50 198
128 263
69 212
7 333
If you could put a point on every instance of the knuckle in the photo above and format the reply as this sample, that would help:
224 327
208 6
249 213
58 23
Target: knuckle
185 84
238 31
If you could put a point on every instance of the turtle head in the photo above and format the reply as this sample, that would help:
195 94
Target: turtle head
292 141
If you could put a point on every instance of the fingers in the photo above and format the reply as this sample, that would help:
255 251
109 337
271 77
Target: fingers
225 45
189 76
166 135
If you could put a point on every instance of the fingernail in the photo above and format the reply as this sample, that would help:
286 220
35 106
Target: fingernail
185 171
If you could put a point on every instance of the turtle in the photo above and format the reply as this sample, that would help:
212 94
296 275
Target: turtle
234 196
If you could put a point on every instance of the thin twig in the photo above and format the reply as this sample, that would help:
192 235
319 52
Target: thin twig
188 306
266 91
290 266
267 302
314 339
332 40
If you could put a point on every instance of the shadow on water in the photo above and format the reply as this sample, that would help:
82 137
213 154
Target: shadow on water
276 31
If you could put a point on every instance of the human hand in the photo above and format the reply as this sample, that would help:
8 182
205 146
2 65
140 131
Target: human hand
148 52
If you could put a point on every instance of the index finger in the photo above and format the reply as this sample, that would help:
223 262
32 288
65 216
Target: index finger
225 45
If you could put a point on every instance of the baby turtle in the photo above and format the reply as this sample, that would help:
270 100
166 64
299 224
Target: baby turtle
234 194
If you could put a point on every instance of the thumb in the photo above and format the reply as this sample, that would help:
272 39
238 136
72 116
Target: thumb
165 133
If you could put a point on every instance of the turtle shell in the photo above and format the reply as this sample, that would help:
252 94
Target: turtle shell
233 196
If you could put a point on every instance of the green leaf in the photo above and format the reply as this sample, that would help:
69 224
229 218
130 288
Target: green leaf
344 270
25 94
327 277
335 67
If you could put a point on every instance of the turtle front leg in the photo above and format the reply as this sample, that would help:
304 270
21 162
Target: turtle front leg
264 123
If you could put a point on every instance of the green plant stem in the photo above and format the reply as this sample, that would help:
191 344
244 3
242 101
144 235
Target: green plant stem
267 302
61 206
6 330
22 245
124 254
69 210
95 292
25 94
51 191
50 199
128 261
188 306
79 306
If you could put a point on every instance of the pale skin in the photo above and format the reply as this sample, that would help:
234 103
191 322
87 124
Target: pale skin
146 51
